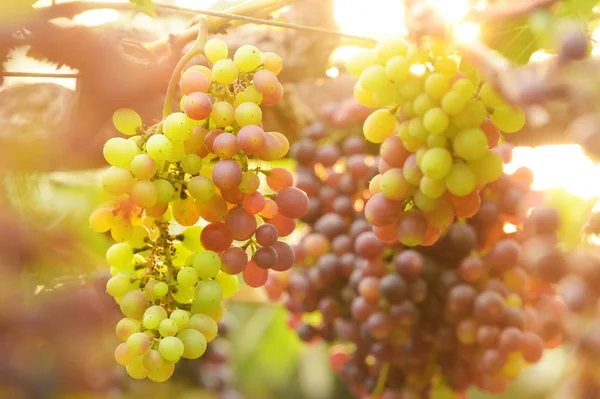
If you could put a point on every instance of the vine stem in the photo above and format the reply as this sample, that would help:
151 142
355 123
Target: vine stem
197 48
381 380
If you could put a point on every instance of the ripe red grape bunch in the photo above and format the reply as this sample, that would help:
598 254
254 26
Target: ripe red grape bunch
202 167
437 130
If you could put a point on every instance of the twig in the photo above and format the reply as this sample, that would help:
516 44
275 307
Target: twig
259 21
507 10
187 57
72 8
381 380
54 75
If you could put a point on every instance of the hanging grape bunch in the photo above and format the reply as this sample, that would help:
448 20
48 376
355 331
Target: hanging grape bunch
475 308
438 132
202 167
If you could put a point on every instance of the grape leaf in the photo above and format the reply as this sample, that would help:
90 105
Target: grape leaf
514 39
582 9
145 6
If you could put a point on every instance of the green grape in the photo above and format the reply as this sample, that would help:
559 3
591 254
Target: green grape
249 95
143 167
436 85
121 229
178 152
509 119
379 126
163 373
397 69
416 129
412 144
171 348
423 103
201 188
387 96
437 140
207 264
168 327
177 126
181 318
117 181
250 182
446 66
119 255
159 147
153 316
152 360
358 62
193 342
149 289
160 290
374 78
165 190
222 114
184 295
389 48
180 255
127 121
122 355
138 343
229 284
470 144
247 58
489 96
216 312
411 88
127 326
136 369
488 168
272 62
431 187
101 220
120 152
118 286
144 194
416 55
248 114
187 277
424 202
394 186
436 163
465 86
208 295
205 324
454 102
461 180
215 50
408 109
191 238
363 96
473 115
442 216
436 121
225 71
191 164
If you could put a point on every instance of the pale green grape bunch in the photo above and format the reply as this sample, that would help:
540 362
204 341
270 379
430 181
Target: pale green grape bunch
186 204
438 131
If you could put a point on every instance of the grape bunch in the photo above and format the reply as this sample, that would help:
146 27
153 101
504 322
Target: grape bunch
473 308
204 168
438 132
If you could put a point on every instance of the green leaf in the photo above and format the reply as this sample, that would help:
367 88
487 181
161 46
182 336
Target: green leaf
582 9
145 6
514 39
15 10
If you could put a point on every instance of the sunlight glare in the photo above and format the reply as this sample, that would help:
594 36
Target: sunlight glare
418 69
96 17
369 18
451 10
195 4
466 32
333 72
575 172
